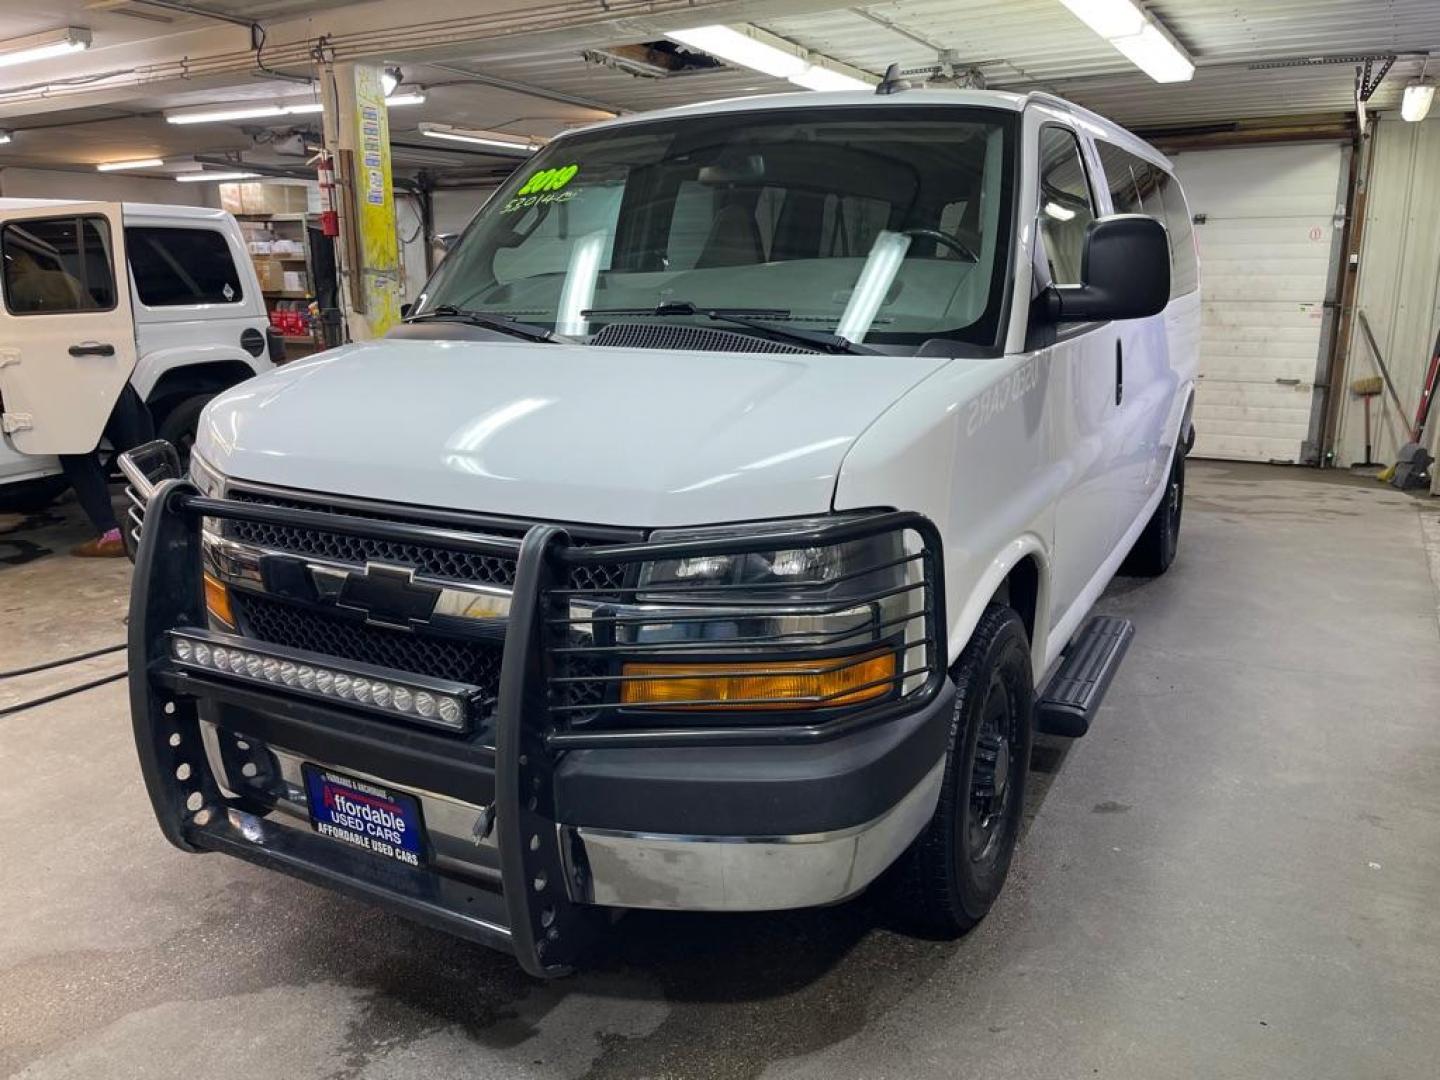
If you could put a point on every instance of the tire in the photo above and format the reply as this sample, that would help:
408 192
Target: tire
32 496
953 872
1155 549
179 425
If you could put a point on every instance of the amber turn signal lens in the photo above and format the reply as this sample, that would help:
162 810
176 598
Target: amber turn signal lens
769 684
217 601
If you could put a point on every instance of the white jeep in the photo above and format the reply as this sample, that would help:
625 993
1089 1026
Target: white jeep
713 535
187 321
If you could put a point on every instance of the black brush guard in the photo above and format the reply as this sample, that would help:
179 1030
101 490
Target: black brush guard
531 915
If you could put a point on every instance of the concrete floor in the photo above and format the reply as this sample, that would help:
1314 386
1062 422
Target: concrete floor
1235 874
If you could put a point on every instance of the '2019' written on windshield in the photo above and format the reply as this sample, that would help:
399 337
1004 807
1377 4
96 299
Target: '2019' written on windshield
544 187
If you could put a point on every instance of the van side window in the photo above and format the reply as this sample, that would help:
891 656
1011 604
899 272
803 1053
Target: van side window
182 266
1138 187
1066 208
56 265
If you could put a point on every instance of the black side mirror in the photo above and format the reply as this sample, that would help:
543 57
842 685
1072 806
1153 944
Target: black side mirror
1124 270
405 309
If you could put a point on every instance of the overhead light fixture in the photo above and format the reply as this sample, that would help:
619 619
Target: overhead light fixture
4 137
770 55
1058 212
390 78
217 114
138 163
523 145
818 77
1415 104
207 177
1136 36
44 46
740 48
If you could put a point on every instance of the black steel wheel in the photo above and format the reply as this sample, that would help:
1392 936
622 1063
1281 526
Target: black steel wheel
952 874
1157 546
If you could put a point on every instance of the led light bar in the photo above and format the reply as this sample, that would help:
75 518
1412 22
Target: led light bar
418 699
137 163
44 46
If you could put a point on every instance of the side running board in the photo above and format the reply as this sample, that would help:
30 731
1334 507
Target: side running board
1073 694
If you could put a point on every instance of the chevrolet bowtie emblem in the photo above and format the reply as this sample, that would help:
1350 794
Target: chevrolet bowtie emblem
388 596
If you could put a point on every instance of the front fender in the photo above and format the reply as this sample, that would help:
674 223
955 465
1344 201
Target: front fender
968 447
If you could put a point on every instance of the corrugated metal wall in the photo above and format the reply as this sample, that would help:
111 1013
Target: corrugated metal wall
1399 286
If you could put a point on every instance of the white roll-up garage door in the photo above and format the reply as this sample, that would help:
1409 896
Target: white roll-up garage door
1267 223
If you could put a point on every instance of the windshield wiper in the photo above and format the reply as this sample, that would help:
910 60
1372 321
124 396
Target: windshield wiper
747 317
488 319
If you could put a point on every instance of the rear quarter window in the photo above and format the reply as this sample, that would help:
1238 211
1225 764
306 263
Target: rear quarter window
174 267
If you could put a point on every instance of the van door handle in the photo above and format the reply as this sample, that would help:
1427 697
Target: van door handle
92 348
1119 372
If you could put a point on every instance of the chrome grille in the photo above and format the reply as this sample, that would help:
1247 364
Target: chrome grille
438 562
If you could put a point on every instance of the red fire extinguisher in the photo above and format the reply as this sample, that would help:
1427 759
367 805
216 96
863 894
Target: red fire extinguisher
329 216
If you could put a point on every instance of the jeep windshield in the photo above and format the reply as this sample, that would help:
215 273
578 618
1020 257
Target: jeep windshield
877 225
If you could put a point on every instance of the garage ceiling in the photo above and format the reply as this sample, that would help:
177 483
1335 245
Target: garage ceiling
541 82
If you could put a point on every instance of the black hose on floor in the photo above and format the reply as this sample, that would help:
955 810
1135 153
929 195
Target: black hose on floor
11 710
48 664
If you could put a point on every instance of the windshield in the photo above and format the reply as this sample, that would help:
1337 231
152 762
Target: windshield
877 225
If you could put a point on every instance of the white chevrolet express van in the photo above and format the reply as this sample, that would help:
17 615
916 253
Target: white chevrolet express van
713 536
184 323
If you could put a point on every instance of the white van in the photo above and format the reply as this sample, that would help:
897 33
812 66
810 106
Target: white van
713 536
187 321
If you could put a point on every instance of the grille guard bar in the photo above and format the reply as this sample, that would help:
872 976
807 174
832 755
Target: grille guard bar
545 930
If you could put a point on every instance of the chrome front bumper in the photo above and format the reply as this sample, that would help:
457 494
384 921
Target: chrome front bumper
634 869
749 873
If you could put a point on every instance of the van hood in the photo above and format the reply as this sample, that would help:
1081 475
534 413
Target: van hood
639 437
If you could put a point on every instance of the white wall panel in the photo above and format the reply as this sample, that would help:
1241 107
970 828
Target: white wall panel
1267 253
1399 286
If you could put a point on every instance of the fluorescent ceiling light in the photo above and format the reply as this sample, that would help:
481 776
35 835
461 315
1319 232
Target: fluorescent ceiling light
229 112
1419 96
1156 55
138 163
817 77
4 137
205 177
1136 36
1108 18
52 43
208 114
738 48
500 140
1058 212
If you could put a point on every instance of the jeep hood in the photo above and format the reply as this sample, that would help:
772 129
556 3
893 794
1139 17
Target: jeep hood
640 437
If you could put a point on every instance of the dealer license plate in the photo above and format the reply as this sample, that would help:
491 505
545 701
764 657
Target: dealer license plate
365 815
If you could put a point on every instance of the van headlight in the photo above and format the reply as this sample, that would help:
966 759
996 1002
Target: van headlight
780 628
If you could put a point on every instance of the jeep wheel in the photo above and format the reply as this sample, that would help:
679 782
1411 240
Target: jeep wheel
179 425
954 871
1155 550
